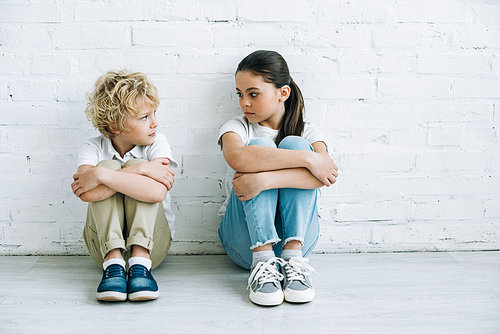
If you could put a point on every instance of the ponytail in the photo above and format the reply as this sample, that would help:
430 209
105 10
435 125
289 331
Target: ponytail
293 120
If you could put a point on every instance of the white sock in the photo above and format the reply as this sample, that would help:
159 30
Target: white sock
140 260
109 262
287 254
262 256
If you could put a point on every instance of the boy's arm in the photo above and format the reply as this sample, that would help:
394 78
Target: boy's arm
255 158
156 170
248 185
146 182
99 192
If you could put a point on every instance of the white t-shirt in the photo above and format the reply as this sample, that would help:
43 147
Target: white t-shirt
248 131
96 149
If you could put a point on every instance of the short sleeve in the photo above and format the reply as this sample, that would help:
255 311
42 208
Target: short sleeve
235 125
89 153
161 149
312 133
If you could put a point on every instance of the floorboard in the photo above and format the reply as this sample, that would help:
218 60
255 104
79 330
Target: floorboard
355 293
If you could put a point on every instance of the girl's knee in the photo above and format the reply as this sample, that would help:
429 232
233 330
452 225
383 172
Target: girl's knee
262 142
295 143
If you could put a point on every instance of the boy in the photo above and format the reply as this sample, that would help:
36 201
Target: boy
125 176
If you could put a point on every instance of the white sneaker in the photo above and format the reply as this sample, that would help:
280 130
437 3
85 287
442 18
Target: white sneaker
297 282
265 283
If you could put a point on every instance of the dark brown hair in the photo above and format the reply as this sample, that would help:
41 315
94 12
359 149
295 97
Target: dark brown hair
272 68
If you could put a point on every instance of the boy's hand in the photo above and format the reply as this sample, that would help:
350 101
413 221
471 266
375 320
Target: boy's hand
247 185
159 170
85 181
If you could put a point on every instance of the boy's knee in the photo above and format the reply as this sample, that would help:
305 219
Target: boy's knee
295 143
133 162
262 142
110 164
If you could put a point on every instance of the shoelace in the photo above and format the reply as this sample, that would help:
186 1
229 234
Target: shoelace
297 268
115 271
266 272
138 270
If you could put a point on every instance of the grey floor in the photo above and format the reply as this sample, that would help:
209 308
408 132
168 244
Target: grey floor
356 293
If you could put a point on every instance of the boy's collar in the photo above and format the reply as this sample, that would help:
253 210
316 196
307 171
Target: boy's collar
136 152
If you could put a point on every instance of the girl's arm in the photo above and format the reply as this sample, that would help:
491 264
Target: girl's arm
146 182
248 185
255 158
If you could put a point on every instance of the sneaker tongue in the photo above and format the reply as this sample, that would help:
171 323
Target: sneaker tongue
265 273
115 270
138 270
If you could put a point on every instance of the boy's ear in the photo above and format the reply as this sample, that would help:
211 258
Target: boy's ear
113 130
284 93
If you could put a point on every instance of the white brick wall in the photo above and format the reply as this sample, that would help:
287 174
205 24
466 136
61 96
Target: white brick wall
407 91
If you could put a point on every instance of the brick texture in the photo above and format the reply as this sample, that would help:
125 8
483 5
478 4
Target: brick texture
407 93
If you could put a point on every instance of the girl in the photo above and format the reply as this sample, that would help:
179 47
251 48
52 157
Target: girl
280 161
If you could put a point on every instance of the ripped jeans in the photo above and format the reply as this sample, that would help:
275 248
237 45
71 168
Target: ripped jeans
272 216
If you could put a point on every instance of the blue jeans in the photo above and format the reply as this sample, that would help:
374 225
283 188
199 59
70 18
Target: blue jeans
274 215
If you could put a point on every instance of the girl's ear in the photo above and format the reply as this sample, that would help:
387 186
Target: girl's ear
284 93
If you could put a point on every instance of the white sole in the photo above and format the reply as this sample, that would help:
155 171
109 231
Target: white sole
143 295
304 296
111 296
267 299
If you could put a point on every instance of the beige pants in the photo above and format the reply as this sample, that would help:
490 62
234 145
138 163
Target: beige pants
121 222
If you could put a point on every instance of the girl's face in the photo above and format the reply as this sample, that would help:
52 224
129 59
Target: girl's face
260 101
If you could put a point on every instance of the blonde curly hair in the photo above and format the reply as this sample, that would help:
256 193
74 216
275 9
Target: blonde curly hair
115 98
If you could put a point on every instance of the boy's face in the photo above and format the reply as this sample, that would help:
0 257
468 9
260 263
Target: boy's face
142 129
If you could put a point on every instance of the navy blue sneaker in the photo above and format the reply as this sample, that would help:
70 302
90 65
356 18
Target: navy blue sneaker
113 286
141 284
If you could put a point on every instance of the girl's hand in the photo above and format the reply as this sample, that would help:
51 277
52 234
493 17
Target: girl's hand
247 185
160 171
323 168
85 181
